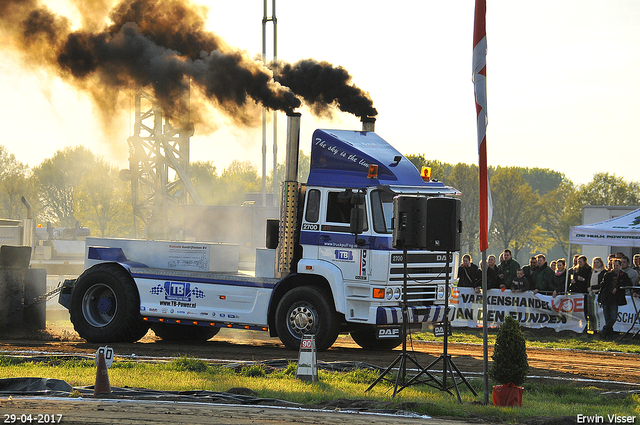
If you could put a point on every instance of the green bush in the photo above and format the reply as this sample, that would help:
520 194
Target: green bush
510 354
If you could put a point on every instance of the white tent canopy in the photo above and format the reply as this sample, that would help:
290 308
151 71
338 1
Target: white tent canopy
619 231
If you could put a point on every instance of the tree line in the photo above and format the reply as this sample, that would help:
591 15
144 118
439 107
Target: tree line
533 208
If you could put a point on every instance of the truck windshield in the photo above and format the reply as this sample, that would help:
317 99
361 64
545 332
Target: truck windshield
382 208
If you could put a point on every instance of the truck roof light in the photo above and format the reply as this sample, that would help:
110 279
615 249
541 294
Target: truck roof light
373 171
378 293
426 174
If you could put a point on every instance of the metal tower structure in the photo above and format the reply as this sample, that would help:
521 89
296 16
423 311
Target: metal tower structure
158 166
266 19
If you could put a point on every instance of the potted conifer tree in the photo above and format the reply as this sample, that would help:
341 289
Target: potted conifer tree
510 366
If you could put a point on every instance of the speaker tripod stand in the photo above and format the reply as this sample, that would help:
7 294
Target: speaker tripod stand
448 366
404 357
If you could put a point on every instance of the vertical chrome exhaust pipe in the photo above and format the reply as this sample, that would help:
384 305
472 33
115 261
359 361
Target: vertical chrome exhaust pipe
289 200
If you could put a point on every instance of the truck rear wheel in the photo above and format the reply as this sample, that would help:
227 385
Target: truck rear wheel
105 306
306 310
171 332
366 338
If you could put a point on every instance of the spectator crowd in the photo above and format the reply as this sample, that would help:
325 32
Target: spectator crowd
609 283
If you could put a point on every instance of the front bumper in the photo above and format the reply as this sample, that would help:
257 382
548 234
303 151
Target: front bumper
415 314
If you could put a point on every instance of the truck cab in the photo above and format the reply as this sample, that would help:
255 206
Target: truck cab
346 231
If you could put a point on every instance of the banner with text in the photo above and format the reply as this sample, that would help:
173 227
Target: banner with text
628 320
564 312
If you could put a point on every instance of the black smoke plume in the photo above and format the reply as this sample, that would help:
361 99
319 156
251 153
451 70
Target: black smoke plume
163 44
322 85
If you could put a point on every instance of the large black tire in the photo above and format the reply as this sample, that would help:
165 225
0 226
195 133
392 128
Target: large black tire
366 338
306 310
171 332
105 305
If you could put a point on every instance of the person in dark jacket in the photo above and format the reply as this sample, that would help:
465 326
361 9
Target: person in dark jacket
559 278
542 276
611 296
520 283
581 277
529 269
492 273
507 268
468 274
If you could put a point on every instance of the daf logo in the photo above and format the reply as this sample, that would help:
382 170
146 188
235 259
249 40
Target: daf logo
389 333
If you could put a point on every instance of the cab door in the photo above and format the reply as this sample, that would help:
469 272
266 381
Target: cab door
336 243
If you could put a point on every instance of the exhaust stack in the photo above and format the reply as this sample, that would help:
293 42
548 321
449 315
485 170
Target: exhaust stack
289 200
368 123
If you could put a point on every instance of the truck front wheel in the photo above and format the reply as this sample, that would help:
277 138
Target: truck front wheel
105 306
303 311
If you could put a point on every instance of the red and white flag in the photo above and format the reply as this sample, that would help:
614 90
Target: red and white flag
480 86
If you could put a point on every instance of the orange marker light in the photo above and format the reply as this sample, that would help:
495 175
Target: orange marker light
378 293
426 174
373 171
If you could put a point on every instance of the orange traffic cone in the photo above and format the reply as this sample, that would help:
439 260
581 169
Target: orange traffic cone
102 385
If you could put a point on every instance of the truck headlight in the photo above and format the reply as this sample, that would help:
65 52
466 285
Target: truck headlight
440 294
389 293
396 293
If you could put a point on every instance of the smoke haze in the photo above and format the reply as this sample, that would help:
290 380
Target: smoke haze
163 44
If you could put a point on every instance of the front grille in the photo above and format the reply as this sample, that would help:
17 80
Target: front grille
424 272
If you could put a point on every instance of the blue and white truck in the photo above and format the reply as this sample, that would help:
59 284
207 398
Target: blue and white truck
328 268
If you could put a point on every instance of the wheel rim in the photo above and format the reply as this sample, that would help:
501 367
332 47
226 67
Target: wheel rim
99 305
302 319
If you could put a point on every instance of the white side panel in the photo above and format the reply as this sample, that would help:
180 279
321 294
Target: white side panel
191 256
265 262
204 301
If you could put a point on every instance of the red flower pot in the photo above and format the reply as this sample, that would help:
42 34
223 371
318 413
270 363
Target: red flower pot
507 395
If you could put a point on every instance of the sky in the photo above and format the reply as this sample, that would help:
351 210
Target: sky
562 83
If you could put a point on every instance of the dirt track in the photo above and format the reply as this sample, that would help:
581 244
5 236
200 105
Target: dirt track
231 345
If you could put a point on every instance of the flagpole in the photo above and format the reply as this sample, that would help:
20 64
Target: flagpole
484 216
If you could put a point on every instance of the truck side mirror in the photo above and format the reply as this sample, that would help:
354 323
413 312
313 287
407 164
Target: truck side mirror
357 199
357 220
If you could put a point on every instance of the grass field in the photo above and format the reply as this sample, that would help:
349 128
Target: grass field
187 374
